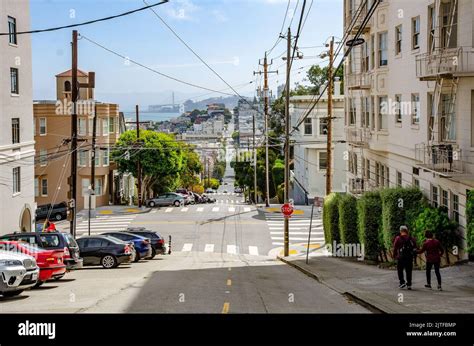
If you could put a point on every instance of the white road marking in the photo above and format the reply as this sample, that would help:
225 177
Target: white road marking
184 210
209 248
253 250
168 210
232 249
187 247
232 209
200 209
215 209
291 238
278 244
246 209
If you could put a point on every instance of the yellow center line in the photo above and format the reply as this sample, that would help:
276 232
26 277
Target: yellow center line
229 282
225 308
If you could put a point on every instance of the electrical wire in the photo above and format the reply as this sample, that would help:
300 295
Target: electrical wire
86 23
279 39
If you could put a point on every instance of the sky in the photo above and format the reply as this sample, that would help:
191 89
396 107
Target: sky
230 35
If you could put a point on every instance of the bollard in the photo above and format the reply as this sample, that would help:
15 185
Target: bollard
169 246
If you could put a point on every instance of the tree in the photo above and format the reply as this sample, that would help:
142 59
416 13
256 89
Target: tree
191 167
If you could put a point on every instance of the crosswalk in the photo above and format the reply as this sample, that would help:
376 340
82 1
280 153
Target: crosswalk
230 249
299 229
214 208
101 224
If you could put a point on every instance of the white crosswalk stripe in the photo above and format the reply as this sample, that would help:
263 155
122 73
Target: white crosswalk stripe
246 209
168 210
215 209
209 248
184 210
231 209
200 210
232 249
253 250
212 248
187 247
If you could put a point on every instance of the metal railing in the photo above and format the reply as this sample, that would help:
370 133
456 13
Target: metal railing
443 158
361 80
356 18
444 62
358 136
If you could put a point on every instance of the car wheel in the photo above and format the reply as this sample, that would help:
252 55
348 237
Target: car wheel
38 284
153 253
151 204
177 203
137 257
11 293
108 261
58 277
58 217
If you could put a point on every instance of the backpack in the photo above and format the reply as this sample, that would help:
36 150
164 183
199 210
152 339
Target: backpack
407 250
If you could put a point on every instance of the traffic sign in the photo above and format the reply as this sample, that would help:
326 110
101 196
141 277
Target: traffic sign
287 210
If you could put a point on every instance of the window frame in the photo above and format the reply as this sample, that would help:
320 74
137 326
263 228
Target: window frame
308 122
45 126
42 186
16 139
12 31
324 160
382 48
398 39
415 32
16 186
14 81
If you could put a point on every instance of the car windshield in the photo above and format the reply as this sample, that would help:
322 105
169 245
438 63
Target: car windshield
50 240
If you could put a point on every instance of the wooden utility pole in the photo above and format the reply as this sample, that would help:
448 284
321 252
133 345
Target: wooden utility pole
254 162
93 155
139 166
287 144
74 97
329 121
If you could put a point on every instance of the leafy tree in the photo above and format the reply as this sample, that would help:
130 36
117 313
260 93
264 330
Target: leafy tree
211 183
191 167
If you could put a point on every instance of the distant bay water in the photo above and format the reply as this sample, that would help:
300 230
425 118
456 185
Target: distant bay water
152 116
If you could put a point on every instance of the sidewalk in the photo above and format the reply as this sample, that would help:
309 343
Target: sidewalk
115 210
377 289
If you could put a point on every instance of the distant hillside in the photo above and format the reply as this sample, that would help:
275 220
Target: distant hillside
230 102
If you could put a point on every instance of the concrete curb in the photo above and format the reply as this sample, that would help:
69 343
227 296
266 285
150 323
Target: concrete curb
350 295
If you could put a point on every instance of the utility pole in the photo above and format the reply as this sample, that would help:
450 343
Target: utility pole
329 121
287 143
139 166
74 97
94 140
266 108
254 162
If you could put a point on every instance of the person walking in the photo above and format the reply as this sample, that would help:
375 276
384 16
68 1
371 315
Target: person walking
433 252
404 251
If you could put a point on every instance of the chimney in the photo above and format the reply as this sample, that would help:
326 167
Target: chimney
337 86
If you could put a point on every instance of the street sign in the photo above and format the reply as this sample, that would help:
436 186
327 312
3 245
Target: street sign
287 210
355 42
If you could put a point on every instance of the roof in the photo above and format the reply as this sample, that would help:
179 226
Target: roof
68 73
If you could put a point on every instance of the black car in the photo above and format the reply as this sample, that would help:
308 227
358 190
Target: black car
52 241
56 212
109 252
158 244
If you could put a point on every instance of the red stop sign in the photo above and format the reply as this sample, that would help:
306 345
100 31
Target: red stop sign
287 209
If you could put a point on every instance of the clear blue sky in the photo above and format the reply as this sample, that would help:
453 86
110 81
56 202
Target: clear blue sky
229 34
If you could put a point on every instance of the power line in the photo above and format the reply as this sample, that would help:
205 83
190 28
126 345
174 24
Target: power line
86 23
278 40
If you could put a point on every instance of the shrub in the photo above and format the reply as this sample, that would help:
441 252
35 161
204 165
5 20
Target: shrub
400 206
470 222
348 219
369 216
331 218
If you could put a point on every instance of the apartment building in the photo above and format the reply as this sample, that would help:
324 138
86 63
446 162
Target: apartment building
310 149
17 204
52 129
410 99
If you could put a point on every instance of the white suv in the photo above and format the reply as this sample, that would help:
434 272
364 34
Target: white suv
18 272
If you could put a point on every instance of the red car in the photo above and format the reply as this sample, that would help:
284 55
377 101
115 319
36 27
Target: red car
50 262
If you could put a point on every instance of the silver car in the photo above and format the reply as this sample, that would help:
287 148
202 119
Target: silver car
166 199
18 272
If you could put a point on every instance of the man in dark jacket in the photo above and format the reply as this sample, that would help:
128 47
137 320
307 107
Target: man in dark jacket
404 251
433 252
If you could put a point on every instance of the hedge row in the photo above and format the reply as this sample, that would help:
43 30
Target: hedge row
331 218
348 219
470 222
369 211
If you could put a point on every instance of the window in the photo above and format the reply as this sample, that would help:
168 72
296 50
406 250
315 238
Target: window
105 126
322 158
415 107
399 179
12 38
91 126
456 208
308 126
98 186
365 112
352 112
14 85
16 180
105 157
398 109
416 183
16 130
449 25
365 57
372 52
383 105
323 126
44 187
448 119
398 40
43 159
67 86
81 125
82 158
367 169
36 187
383 51
97 158
432 26
85 187
382 174
372 112
42 126
415 24
377 174
111 125
387 176
445 199
434 196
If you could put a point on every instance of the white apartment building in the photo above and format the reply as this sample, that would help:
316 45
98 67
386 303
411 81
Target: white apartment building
17 198
410 99
310 149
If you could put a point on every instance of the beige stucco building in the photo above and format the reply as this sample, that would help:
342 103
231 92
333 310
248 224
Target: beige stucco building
52 121
17 206
410 100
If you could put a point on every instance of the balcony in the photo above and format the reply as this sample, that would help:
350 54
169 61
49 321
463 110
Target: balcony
359 81
358 137
358 186
445 159
446 63
355 20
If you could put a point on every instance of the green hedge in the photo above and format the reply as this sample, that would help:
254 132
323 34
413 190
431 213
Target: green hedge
470 222
400 206
348 219
331 218
369 211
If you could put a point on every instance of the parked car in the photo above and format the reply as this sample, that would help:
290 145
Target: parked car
109 252
50 262
142 244
198 198
210 191
166 199
188 196
52 241
158 244
209 199
18 272
238 190
56 212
